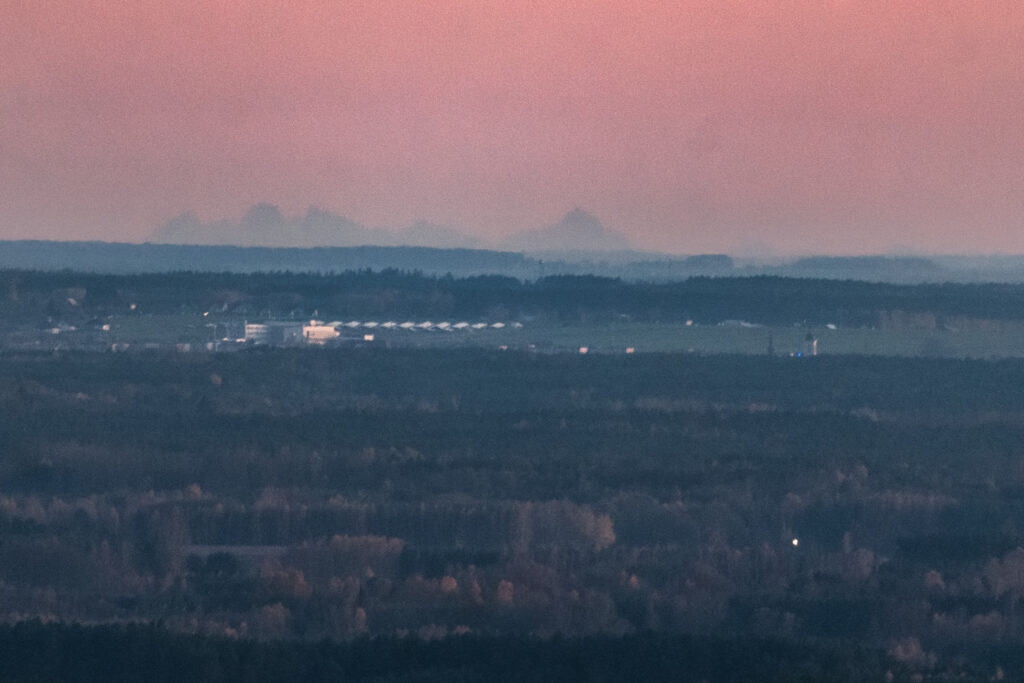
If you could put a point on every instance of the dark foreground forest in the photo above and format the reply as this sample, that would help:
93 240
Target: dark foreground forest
829 517
32 651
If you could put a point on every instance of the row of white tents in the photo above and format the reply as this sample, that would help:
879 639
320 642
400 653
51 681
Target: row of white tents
410 325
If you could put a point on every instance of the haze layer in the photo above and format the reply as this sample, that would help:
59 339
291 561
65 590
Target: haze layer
826 126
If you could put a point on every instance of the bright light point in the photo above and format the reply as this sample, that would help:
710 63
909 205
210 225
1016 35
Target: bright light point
796 542
206 313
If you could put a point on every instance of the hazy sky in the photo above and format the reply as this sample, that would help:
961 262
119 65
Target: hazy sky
820 125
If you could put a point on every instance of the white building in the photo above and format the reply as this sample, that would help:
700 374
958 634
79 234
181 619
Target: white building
318 334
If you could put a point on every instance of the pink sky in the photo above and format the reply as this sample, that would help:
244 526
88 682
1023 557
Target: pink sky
841 126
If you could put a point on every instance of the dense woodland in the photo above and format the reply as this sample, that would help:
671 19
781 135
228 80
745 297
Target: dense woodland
32 651
42 297
476 499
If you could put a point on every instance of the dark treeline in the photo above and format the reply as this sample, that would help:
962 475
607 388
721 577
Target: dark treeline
121 258
392 293
476 381
36 652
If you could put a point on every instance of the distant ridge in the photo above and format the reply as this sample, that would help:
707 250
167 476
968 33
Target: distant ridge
123 258
853 263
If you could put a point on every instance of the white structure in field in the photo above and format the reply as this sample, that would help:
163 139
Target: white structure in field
278 332
318 334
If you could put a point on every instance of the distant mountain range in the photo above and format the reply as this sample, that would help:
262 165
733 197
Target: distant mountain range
577 231
265 226
320 241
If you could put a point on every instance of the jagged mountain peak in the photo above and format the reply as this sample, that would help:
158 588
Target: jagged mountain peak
578 230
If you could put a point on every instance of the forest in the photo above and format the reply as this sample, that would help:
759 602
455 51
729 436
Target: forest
864 512
37 296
